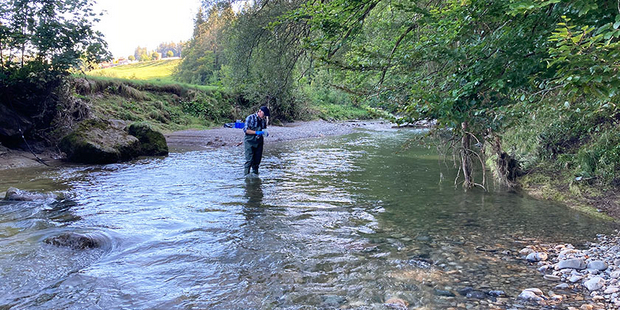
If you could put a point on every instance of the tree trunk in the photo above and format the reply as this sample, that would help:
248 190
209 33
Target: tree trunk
466 157
507 167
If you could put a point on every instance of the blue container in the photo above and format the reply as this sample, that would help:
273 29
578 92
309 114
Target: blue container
239 124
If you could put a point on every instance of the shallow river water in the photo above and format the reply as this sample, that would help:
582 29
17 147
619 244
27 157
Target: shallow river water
341 222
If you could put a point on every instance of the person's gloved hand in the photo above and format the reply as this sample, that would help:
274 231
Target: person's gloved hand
260 133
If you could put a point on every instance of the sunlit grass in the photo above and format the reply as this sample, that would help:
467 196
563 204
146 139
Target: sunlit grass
152 71
162 82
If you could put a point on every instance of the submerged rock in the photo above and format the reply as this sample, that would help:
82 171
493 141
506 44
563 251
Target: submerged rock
396 303
15 194
74 241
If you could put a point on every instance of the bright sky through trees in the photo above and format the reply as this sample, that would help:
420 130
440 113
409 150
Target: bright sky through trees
128 24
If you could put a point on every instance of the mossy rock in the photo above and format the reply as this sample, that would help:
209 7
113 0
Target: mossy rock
99 142
152 142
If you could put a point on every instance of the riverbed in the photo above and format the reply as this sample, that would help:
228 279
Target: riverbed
350 221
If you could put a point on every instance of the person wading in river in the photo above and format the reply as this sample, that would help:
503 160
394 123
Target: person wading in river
255 131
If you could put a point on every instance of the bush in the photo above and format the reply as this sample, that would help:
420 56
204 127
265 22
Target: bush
586 145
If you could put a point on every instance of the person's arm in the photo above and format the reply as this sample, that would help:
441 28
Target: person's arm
246 128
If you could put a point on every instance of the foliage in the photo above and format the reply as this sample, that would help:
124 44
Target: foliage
170 49
203 55
264 54
58 34
41 41
139 51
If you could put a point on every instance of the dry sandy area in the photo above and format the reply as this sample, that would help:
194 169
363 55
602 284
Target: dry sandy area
207 139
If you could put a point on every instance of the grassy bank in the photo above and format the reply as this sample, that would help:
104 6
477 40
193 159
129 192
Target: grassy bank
166 106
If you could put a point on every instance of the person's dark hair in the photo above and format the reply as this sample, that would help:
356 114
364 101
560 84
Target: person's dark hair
265 110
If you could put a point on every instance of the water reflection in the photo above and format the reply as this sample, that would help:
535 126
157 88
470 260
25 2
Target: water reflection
253 192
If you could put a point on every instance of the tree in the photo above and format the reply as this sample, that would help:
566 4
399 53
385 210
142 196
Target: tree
139 51
154 55
175 48
40 42
265 53
474 66
169 54
131 57
203 56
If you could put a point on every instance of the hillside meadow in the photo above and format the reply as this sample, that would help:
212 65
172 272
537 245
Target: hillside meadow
155 71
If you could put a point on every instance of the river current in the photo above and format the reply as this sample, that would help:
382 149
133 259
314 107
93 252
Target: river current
341 222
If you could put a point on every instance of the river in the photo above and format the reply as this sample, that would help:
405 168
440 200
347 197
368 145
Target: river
339 222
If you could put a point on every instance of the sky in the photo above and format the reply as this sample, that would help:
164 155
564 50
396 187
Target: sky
128 24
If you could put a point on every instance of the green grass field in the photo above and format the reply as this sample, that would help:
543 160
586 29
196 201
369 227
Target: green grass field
154 71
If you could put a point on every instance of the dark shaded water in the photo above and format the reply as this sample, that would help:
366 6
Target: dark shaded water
340 222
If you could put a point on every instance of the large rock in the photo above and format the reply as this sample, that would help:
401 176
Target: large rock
152 143
98 142
104 142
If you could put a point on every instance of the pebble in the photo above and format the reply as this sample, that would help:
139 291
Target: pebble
532 294
597 265
396 303
536 257
574 263
594 284
551 277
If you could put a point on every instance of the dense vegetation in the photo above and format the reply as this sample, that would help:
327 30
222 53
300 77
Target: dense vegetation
535 79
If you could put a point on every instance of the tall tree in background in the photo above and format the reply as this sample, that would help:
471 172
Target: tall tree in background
40 42
467 64
175 48
139 52
203 55
265 52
